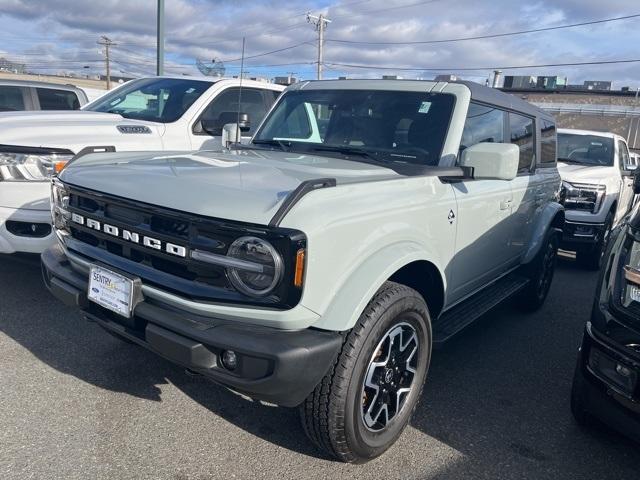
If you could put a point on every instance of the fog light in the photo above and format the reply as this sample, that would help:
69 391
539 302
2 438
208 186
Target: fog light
229 360
624 371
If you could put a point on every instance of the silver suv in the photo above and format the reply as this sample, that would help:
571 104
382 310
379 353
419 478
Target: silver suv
319 264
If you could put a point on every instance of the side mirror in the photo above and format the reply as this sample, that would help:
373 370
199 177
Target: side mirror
215 126
630 170
496 161
636 181
243 122
230 134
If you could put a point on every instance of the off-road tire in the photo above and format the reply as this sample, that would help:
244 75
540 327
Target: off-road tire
332 414
578 409
592 259
540 273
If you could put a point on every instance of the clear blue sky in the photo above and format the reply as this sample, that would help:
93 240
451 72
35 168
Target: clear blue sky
60 35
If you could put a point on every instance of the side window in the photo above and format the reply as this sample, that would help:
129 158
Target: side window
293 123
548 143
483 124
521 134
52 99
625 160
11 99
224 108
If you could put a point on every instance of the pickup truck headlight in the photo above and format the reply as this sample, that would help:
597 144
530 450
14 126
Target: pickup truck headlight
60 214
25 166
259 268
583 196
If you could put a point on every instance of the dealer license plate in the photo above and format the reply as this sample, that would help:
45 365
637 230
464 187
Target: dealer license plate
111 290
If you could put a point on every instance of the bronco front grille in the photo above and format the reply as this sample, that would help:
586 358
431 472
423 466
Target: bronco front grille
181 275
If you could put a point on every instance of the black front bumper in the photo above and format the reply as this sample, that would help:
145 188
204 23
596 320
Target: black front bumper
604 395
277 366
580 235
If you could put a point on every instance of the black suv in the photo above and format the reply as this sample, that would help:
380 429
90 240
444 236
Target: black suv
607 378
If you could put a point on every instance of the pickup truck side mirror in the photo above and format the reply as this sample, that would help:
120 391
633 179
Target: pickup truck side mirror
215 126
496 161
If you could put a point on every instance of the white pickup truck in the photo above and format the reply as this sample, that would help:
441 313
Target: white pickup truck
597 187
156 113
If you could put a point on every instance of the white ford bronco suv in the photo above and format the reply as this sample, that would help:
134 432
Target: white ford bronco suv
316 266
156 113
597 189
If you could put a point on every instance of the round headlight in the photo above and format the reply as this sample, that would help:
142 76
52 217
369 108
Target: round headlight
260 267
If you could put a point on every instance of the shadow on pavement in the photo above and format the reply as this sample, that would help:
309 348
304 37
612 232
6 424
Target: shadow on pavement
498 393
61 338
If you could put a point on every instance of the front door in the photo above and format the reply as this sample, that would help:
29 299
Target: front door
485 208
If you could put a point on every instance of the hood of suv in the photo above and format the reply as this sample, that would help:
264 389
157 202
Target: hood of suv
246 185
571 172
75 130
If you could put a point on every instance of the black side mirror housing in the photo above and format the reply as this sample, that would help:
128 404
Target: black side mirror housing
214 126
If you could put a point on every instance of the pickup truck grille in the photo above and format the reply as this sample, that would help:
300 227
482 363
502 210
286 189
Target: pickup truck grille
173 272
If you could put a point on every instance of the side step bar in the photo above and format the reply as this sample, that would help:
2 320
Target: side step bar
464 314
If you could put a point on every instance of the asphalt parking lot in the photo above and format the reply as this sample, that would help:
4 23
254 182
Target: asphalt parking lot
76 403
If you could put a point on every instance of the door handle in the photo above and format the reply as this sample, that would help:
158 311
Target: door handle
505 204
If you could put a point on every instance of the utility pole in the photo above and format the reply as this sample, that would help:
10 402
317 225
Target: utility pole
106 43
320 22
160 40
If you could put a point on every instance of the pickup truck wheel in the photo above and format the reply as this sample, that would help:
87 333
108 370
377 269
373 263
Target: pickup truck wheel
592 259
365 401
578 409
540 273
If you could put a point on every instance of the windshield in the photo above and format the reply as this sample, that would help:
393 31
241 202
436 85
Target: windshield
161 100
585 149
384 126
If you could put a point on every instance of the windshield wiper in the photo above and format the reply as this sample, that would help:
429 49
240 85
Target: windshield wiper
274 143
345 151
570 160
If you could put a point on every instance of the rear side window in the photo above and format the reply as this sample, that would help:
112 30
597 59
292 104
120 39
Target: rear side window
483 124
521 134
11 99
52 99
548 143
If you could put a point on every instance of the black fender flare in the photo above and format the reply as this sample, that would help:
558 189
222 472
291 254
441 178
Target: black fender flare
551 218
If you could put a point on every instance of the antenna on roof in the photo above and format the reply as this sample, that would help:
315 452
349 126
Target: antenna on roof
238 134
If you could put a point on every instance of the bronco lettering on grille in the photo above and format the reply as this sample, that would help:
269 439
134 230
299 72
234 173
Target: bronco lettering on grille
133 237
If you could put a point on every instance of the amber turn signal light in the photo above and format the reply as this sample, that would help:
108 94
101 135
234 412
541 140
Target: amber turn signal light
299 272
58 166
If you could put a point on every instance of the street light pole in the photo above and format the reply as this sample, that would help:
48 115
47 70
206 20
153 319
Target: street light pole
160 40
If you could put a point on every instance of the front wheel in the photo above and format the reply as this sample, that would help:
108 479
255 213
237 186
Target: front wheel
540 273
365 401
592 259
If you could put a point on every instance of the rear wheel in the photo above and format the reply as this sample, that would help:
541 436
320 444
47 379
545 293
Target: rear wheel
540 272
365 401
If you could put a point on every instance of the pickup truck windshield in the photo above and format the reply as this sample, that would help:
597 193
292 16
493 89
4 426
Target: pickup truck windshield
384 126
585 149
162 100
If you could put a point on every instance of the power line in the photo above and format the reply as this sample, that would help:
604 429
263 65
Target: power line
460 69
386 9
264 54
480 37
